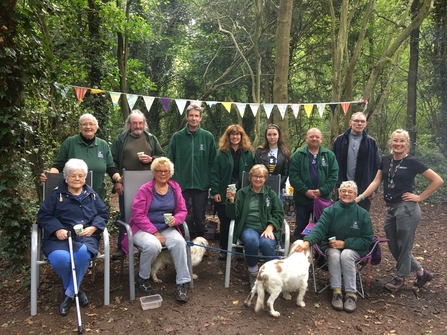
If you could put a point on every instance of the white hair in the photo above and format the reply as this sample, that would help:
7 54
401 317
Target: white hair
75 164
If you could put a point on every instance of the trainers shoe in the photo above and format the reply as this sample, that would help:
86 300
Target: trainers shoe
337 301
421 280
117 254
395 284
145 285
181 293
350 303
252 276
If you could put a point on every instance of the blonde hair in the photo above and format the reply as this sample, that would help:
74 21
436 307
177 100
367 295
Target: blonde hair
259 167
406 136
162 161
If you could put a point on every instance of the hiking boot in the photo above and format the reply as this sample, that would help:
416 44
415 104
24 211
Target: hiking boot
252 276
117 254
181 293
395 284
145 285
83 299
350 303
421 280
337 301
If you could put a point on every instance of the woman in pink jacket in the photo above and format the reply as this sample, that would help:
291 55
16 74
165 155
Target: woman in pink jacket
152 231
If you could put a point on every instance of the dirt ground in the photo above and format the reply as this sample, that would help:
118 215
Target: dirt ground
213 309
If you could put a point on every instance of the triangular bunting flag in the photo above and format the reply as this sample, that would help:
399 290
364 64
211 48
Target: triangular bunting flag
148 101
241 108
131 100
333 106
195 102
80 93
96 91
268 109
345 106
364 101
211 103
308 108
254 108
227 106
282 109
181 103
295 109
165 102
115 97
321 108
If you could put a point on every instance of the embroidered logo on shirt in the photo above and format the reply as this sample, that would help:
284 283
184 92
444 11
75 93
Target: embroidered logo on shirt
267 202
355 225
100 154
323 162
202 147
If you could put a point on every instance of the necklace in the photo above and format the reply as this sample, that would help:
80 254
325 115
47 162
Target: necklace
392 173
162 190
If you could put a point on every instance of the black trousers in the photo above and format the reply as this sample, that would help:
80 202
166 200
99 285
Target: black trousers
198 200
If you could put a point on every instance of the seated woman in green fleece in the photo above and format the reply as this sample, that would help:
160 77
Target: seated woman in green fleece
259 216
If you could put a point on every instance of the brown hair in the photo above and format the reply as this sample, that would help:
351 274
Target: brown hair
225 144
281 146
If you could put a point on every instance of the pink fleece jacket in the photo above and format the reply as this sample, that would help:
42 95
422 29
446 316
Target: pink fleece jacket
140 208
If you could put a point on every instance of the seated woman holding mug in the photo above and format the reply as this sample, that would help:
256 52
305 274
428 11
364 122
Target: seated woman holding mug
150 230
259 216
70 204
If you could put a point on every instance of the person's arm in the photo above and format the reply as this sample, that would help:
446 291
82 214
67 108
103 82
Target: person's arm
139 211
157 150
435 182
215 177
371 188
295 175
332 176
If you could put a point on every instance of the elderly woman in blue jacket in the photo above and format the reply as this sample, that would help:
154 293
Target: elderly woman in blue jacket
259 216
71 203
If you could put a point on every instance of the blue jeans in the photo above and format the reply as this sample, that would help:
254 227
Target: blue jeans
61 263
253 242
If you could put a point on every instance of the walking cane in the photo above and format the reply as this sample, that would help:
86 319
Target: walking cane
75 284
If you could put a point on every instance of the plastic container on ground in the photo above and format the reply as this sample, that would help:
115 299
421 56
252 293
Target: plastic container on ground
151 301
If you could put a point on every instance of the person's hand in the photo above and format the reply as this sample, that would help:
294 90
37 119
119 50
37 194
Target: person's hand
61 234
88 231
119 188
357 199
303 247
171 222
372 196
145 159
310 194
317 193
217 198
161 238
230 195
407 196
268 232
337 244
43 177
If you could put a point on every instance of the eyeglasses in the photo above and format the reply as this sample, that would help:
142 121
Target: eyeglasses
359 121
162 171
74 176
258 177
235 134
88 124
347 191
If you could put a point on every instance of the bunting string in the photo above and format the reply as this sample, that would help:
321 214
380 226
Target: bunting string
239 106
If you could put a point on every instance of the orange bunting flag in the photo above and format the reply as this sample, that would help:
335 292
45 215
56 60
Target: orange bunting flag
80 93
308 108
345 106
227 106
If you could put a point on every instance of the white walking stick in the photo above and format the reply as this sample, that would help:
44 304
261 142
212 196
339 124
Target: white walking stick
75 284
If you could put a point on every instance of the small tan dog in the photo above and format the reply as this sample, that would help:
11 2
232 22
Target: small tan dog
282 275
164 258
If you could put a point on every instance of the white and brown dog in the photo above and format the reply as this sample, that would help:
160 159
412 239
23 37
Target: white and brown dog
164 258
282 275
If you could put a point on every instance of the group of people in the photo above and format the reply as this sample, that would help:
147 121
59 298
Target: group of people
353 168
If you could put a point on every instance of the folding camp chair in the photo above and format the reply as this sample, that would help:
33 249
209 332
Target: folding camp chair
38 259
274 181
320 261
132 181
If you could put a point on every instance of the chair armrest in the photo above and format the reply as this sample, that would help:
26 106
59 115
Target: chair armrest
287 238
186 230
129 234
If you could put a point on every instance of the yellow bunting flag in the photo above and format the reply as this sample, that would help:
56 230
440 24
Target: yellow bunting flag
96 91
308 108
227 106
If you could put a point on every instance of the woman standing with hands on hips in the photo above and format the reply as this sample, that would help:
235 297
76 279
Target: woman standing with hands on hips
398 171
274 154
234 156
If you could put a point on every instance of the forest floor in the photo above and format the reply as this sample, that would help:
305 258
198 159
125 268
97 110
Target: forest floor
214 309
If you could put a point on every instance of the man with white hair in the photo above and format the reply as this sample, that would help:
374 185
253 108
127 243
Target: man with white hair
134 150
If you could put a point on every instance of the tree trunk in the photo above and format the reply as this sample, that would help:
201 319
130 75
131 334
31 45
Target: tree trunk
122 54
412 80
280 81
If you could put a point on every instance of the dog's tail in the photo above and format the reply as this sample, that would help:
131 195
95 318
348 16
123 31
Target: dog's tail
261 293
